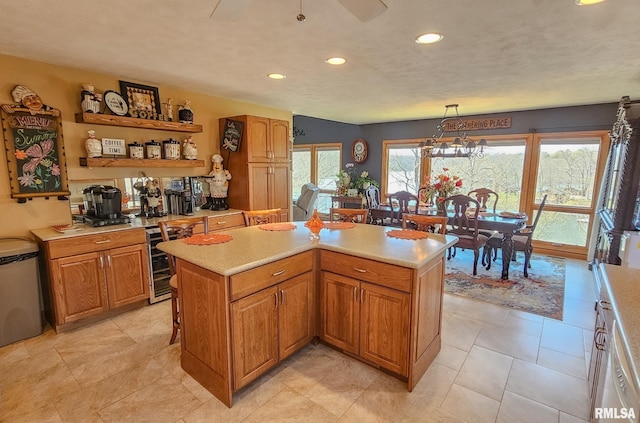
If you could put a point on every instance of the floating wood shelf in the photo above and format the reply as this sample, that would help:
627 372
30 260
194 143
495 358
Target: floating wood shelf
124 162
113 120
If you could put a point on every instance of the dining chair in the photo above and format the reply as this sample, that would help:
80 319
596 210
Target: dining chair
522 241
379 214
424 223
406 203
348 215
260 217
464 225
488 199
178 229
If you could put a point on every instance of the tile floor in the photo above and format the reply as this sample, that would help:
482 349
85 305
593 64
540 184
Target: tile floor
496 365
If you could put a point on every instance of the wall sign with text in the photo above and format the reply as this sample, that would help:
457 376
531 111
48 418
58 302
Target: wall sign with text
480 124
35 152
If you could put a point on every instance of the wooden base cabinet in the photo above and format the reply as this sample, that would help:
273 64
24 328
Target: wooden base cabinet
235 328
270 325
367 320
88 279
387 315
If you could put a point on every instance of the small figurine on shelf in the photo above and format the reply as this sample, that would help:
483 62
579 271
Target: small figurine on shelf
154 197
92 145
169 107
90 99
219 184
189 149
185 114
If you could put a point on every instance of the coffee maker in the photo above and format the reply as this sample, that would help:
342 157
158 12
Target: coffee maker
179 201
104 205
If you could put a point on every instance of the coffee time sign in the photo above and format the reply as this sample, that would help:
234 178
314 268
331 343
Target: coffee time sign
480 124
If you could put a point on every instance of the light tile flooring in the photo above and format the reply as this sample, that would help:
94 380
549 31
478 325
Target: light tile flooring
496 365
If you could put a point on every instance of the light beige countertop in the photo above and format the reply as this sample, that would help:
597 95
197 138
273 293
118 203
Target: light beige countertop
623 285
252 247
49 234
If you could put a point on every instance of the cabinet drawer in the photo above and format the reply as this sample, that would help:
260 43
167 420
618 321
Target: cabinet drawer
217 223
384 274
98 242
254 280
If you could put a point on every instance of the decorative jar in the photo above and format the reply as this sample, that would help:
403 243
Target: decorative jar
153 150
171 149
93 145
136 151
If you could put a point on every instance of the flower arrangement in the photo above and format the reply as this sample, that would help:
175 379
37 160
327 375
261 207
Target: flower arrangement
442 186
351 178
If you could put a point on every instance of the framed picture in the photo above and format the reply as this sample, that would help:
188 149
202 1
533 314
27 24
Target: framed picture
141 98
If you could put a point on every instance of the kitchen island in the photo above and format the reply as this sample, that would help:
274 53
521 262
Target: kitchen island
247 304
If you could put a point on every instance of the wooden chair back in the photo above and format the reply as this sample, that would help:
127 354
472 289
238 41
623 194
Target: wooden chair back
260 217
461 222
372 194
406 203
435 224
181 228
487 199
349 215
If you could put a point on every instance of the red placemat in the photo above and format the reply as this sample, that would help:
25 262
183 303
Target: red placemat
339 225
207 239
408 234
284 226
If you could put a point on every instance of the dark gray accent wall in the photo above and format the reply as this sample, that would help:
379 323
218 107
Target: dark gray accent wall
566 119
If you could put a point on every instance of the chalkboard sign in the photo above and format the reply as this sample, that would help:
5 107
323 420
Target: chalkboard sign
232 134
35 152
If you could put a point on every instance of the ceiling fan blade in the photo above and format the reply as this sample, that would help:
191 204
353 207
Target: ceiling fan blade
229 10
364 9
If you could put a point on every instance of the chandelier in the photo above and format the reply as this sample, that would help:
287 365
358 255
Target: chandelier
461 146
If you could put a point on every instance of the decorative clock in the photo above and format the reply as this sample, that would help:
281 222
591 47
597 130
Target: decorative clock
359 150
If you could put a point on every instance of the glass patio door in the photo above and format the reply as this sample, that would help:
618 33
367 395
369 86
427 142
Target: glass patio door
568 171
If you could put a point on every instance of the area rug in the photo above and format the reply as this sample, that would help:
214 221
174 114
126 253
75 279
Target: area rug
541 293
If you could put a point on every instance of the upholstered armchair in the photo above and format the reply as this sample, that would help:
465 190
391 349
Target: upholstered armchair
303 206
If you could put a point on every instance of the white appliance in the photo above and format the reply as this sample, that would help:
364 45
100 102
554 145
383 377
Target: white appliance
630 249
620 400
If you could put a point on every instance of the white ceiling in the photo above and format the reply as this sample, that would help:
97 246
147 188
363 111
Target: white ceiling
497 55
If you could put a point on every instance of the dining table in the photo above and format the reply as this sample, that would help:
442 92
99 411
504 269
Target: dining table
505 222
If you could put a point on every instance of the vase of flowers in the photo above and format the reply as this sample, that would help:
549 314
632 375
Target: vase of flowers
440 187
350 178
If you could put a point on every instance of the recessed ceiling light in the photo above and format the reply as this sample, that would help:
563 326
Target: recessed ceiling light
277 76
587 2
429 37
336 60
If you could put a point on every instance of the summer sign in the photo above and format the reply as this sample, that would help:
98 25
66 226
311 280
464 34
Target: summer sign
35 153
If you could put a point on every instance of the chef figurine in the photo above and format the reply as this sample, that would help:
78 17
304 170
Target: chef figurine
90 100
219 183
154 197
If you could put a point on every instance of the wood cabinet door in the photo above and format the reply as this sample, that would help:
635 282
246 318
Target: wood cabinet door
384 327
254 325
340 311
127 275
279 192
259 177
279 134
296 314
257 139
79 287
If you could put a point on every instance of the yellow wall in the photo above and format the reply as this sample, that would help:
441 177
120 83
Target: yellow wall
60 87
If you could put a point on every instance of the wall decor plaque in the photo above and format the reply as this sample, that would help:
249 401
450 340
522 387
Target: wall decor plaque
35 152
142 99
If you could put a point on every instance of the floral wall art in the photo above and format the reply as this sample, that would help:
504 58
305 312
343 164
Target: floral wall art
35 148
